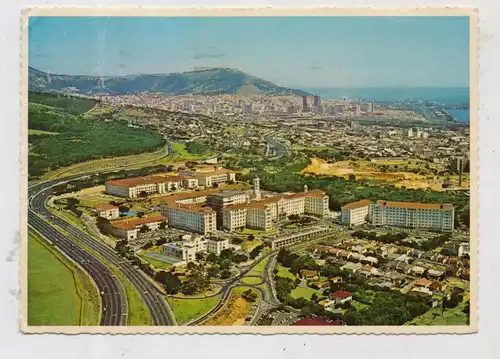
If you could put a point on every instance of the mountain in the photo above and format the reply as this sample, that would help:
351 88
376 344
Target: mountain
212 81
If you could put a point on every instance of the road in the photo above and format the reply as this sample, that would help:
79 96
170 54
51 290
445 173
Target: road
235 282
114 308
79 246
281 149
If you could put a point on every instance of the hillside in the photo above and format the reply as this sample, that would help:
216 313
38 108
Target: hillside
60 135
202 82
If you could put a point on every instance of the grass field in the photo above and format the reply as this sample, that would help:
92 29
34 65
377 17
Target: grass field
305 292
186 310
453 316
259 268
155 262
285 272
367 170
251 280
59 293
180 152
256 231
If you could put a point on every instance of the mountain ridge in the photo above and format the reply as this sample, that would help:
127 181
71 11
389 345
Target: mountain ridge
212 81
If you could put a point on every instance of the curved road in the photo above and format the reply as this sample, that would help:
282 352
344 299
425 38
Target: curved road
233 283
114 301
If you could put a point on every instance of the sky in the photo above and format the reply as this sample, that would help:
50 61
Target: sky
320 52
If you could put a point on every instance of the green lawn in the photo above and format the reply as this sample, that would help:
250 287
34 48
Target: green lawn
256 231
285 272
155 262
453 316
59 293
186 310
359 306
259 268
305 292
180 151
251 280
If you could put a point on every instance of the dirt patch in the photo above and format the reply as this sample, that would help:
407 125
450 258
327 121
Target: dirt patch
372 171
233 313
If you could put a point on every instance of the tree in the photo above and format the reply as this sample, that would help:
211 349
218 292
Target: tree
173 188
352 177
212 257
123 209
249 295
314 297
171 283
140 214
215 185
162 225
189 288
225 274
169 168
143 194
144 229
103 224
226 254
191 266
225 264
251 237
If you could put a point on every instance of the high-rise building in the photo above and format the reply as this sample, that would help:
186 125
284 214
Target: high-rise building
305 106
358 110
370 107
317 101
247 108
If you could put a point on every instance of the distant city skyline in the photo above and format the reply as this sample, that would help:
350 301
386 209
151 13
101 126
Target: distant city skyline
312 52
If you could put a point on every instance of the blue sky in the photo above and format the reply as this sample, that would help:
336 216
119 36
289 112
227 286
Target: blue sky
290 51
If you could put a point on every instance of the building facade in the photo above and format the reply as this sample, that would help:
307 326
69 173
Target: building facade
107 210
133 187
261 214
129 228
190 245
191 217
356 213
426 216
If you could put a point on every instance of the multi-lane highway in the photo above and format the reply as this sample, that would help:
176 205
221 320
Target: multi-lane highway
160 312
81 247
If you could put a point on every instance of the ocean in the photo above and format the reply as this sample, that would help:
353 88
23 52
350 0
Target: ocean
448 95
460 115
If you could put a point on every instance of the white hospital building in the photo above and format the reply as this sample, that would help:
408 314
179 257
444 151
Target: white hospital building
356 213
426 216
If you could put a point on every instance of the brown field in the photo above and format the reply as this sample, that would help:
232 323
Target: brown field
233 313
372 171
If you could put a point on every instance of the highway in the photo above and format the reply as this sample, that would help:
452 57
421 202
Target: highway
79 246
114 308
160 312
